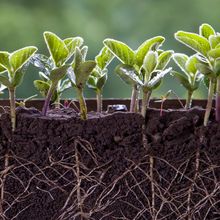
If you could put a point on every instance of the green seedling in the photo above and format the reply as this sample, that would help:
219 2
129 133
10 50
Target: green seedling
79 74
23 103
99 75
190 77
12 68
143 68
55 66
131 71
43 85
207 45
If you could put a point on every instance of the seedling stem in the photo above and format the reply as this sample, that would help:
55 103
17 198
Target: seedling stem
82 104
133 104
12 107
145 102
189 100
217 102
99 100
209 102
47 100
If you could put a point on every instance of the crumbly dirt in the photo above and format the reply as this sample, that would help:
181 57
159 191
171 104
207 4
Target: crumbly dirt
111 166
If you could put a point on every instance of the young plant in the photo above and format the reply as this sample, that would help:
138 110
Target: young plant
143 68
99 75
79 74
206 44
23 103
132 62
55 67
43 85
190 77
12 69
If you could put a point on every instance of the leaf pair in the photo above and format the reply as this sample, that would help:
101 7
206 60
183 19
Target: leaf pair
15 64
127 56
190 77
99 76
198 42
61 50
207 42
155 62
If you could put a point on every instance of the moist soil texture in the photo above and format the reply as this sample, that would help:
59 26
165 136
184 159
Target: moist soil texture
111 166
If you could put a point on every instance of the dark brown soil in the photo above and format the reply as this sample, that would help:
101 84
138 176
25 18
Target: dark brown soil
110 166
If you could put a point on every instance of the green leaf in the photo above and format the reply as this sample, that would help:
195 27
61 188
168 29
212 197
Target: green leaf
84 52
214 40
78 59
217 66
71 76
104 58
4 60
101 81
58 73
124 53
164 59
5 81
150 62
191 64
128 74
182 78
214 53
2 69
73 42
146 46
42 87
204 69
57 48
156 79
206 30
194 41
206 80
18 78
180 59
20 57
197 82
91 82
65 84
83 72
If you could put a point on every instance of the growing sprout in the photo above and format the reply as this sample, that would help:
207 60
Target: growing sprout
23 103
79 74
206 44
54 68
12 68
43 85
132 63
143 68
190 77
99 75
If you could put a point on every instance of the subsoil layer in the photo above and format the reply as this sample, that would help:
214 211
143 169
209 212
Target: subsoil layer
111 166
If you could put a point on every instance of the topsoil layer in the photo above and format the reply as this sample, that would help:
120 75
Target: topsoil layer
114 166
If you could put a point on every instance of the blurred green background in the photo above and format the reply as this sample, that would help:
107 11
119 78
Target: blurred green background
22 23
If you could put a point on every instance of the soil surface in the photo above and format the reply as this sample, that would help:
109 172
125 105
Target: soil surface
111 166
